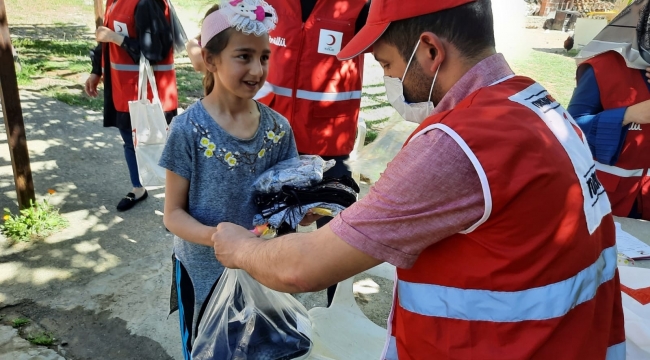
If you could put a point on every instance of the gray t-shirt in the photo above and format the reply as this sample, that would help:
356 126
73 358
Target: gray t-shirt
221 169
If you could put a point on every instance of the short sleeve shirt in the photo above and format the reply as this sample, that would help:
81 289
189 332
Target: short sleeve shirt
221 170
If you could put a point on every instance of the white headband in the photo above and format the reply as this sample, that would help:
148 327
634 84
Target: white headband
248 16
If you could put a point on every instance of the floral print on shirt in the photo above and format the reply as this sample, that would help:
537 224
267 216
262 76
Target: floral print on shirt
210 150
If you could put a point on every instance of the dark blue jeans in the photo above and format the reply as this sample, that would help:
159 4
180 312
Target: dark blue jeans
129 155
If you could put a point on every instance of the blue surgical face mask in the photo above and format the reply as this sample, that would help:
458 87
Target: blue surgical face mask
414 112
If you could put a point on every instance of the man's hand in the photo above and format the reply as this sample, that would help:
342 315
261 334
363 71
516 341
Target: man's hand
230 241
105 35
91 85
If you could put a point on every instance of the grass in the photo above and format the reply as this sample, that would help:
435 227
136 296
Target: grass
60 62
556 72
33 223
73 99
190 85
19 322
41 338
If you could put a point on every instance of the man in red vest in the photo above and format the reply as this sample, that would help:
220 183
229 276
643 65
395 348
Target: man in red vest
492 213
611 104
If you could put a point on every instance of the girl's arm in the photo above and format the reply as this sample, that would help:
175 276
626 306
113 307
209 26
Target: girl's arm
176 218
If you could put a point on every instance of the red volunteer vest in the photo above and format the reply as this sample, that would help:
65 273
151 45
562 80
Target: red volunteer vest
318 94
628 180
124 72
536 278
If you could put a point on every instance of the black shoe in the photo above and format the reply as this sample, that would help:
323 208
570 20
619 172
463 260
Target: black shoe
129 201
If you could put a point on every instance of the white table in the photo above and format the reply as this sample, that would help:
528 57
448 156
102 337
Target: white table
641 230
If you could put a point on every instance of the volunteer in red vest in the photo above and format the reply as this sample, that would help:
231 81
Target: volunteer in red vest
502 237
611 103
131 28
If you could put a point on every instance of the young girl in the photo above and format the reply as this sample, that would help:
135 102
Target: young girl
218 147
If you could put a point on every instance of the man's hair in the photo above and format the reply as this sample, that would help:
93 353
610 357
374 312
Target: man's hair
469 27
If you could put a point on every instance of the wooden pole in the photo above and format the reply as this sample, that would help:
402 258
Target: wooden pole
13 116
99 13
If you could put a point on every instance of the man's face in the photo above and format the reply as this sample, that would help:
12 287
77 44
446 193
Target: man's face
416 84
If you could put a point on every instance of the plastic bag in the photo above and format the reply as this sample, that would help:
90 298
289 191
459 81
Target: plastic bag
149 128
178 33
244 320
372 160
301 171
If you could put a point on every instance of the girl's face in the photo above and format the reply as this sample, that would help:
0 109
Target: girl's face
241 68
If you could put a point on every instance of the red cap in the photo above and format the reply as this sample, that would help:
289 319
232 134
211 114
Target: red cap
383 12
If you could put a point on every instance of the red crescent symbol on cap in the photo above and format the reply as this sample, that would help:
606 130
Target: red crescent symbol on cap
118 28
333 40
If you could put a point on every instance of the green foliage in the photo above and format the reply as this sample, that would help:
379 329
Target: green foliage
71 99
35 222
19 322
60 59
41 338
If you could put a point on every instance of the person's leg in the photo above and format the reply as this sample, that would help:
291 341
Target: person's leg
129 155
139 192
185 293
339 170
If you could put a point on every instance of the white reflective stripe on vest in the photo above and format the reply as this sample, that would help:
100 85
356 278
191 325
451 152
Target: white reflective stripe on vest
619 171
391 351
279 90
616 352
316 96
136 68
542 303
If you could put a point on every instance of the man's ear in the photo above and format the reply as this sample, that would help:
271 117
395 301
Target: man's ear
210 60
434 51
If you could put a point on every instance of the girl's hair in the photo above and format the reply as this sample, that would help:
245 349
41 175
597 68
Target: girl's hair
215 46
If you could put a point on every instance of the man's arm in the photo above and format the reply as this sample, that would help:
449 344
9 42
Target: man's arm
394 222
295 263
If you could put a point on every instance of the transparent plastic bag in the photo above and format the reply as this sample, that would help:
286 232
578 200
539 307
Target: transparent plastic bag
372 159
301 171
244 320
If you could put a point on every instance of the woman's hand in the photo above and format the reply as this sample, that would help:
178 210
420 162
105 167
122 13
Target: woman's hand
91 85
106 35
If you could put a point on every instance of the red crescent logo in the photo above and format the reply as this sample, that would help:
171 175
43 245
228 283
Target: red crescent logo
118 28
333 40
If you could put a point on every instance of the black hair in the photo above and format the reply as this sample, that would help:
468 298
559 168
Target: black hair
469 27
215 46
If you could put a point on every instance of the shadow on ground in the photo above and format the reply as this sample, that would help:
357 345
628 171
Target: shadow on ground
52 31
105 262
71 328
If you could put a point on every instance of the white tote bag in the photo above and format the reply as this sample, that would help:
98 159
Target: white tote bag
149 128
